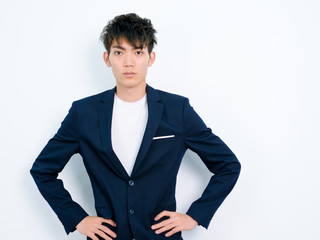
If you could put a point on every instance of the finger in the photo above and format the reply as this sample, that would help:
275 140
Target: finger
163 214
166 228
173 231
93 237
99 220
161 224
103 235
110 221
108 231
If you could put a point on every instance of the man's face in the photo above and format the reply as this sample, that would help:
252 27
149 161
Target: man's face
129 64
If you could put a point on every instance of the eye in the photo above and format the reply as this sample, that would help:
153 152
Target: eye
139 52
117 53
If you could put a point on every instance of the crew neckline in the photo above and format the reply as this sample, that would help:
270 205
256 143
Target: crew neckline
130 103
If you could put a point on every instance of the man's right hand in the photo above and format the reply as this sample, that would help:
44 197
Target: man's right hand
92 226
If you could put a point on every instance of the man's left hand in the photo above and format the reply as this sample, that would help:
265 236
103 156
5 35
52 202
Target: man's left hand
177 222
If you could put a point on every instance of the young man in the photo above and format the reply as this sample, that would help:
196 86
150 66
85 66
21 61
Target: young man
132 139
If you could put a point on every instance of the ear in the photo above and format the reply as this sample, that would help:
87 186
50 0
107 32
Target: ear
152 58
106 59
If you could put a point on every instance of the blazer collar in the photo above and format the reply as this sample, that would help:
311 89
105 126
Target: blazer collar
105 108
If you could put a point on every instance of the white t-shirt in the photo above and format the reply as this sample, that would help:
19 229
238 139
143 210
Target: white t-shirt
129 120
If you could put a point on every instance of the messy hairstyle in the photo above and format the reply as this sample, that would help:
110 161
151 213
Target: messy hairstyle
138 31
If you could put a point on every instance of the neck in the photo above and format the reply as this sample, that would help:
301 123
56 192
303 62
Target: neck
131 94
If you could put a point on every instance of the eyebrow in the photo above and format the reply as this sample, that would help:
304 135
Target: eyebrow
118 46
122 48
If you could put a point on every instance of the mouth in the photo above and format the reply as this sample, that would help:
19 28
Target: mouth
129 74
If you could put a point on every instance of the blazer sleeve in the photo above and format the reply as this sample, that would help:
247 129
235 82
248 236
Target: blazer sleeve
217 157
50 163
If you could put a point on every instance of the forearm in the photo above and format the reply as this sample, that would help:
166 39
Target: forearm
50 163
218 158
52 189
219 187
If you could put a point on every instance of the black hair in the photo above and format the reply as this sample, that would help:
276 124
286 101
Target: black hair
138 31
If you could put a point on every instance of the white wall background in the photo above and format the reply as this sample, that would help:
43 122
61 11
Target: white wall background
250 69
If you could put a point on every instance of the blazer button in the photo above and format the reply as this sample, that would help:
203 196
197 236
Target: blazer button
131 183
131 211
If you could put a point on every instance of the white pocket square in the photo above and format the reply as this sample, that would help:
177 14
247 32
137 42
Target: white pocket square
162 137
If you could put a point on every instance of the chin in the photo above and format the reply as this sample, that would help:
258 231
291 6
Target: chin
130 83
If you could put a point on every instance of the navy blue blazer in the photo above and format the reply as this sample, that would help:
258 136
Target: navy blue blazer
133 201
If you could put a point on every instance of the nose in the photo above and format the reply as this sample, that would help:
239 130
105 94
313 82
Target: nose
128 61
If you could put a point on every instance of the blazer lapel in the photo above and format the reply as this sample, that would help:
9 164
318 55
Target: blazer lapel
155 109
105 108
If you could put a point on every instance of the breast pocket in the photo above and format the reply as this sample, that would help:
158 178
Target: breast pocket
164 138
